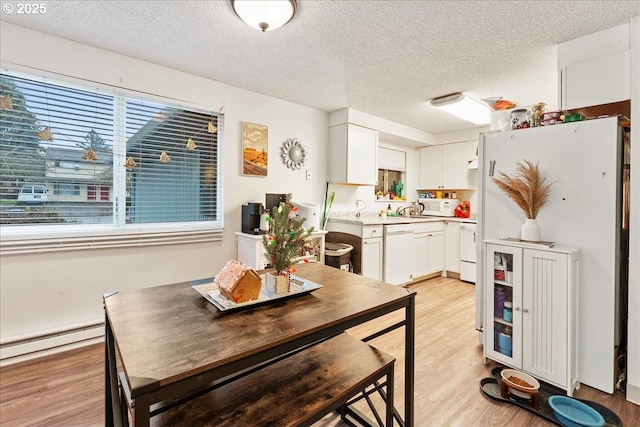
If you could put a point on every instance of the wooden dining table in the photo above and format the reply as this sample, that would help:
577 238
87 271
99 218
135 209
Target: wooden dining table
169 341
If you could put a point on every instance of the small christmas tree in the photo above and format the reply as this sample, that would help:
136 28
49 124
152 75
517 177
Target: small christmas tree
286 239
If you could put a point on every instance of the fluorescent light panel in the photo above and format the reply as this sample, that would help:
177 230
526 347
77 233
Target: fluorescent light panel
464 107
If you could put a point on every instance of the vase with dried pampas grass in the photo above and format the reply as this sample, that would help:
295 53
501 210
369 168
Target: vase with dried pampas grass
530 189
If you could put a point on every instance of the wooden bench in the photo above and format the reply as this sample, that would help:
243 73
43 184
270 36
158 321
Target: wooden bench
295 391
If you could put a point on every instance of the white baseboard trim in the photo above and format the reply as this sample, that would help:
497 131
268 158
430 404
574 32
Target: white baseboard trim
37 346
633 394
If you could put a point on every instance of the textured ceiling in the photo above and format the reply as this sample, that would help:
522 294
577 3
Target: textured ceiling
385 58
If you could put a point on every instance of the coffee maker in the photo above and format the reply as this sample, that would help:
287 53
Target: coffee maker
273 199
251 213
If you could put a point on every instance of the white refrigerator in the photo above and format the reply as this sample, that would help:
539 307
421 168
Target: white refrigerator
585 160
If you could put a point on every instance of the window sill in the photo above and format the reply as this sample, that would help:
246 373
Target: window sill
55 239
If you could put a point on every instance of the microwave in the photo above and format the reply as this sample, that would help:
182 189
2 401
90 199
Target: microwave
438 207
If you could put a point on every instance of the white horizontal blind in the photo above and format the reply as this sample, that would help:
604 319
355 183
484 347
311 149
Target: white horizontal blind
175 152
45 130
391 159
70 157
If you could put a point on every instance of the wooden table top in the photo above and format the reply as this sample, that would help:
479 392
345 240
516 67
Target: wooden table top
168 333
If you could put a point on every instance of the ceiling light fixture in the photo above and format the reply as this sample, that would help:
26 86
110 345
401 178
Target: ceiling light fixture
463 106
265 15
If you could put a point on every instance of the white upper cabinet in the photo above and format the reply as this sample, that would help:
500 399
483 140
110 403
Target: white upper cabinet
430 159
353 155
595 69
445 166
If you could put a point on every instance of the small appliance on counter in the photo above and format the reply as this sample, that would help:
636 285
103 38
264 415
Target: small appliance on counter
439 207
416 208
272 199
310 212
251 213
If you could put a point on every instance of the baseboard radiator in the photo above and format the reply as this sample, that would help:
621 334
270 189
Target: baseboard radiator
26 348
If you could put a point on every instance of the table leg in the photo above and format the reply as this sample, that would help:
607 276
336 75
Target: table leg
141 411
113 416
409 362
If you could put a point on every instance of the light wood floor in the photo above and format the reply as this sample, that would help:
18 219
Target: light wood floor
68 389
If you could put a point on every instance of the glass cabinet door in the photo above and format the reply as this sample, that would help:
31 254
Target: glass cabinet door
503 296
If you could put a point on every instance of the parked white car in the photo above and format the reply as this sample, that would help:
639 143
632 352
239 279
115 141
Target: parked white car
36 193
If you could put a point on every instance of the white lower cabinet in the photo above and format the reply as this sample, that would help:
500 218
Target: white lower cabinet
420 249
452 246
428 248
372 257
372 248
530 312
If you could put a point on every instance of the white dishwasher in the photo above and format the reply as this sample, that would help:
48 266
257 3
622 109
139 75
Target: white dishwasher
398 254
468 252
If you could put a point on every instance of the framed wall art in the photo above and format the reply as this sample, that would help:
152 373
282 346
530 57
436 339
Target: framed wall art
255 147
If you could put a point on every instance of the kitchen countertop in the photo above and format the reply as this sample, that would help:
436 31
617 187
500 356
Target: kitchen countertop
375 219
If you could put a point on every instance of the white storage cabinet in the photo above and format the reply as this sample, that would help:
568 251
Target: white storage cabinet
251 250
353 155
541 329
445 166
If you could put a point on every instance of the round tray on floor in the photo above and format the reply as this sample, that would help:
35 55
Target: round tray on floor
490 387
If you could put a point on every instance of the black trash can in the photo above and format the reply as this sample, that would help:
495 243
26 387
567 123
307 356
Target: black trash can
338 255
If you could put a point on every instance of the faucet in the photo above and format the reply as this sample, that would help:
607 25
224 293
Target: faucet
401 209
364 205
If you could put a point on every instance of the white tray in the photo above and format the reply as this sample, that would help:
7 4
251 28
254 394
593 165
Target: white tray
299 286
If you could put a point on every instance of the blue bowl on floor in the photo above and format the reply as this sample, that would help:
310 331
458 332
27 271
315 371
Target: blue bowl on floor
573 413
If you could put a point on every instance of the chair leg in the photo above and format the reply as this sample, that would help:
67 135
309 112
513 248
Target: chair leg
390 409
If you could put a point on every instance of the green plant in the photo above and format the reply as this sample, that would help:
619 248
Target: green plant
326 206
287 237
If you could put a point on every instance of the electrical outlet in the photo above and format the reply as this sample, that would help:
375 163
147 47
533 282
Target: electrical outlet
308 174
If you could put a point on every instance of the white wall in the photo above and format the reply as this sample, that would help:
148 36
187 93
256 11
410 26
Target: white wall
45 292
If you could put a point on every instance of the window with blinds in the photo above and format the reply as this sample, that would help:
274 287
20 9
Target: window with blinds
103 158
392 165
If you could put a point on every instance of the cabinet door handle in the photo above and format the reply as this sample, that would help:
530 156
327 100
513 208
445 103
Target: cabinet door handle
525 310
517 308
